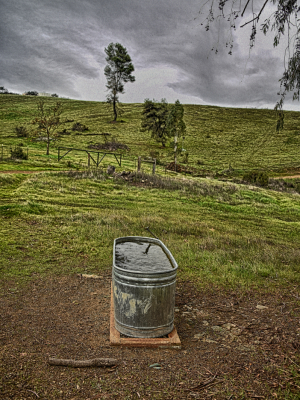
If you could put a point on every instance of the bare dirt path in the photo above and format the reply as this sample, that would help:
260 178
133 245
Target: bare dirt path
234 345
287 177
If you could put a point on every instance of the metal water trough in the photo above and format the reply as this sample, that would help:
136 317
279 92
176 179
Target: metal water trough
143 290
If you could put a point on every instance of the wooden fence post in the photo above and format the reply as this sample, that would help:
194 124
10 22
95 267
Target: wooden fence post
139 163
154 166
89 160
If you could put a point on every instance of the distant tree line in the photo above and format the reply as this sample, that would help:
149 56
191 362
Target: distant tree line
35 93
3 90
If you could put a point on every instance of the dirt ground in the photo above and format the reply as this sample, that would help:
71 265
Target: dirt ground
234 345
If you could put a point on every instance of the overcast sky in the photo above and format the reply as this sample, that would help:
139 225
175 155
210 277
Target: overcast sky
57 46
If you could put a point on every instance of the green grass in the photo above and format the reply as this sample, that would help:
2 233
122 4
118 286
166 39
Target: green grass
216 137
219 233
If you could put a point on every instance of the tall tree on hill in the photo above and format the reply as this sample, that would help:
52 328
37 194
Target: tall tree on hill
283 20
154 120
176 126
118 71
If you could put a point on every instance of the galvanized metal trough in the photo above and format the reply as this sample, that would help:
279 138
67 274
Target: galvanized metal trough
143 286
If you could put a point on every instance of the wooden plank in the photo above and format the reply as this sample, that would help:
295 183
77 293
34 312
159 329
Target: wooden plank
171 342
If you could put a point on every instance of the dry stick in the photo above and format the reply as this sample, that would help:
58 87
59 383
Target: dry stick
147 229
96 362
204 384
33 392
89 276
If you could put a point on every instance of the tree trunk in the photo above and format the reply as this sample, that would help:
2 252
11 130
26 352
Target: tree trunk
48 142
175 150
115 110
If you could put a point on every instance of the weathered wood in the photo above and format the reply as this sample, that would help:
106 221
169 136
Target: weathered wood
96 362
154 166
90 276
139 163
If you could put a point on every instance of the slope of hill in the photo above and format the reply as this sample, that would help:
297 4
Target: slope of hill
217 138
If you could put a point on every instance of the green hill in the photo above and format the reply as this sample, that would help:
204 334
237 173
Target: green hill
217 137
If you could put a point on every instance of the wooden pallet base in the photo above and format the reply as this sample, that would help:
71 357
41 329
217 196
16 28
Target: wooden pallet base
171 342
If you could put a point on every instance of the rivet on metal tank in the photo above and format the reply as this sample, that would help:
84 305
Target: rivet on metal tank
144 279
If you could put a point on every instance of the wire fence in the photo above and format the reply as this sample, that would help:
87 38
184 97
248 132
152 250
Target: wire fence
79 158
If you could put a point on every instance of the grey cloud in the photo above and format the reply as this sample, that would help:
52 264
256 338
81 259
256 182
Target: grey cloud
47 45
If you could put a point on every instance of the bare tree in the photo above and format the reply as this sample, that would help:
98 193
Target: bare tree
47 121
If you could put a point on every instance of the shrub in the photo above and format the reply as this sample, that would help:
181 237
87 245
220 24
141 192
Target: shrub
282 185
18 153
110 146
79 127
31 93
185 158
21 131
64 132
154 153
259 178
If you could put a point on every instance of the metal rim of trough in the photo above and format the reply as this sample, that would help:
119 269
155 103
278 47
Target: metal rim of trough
149 240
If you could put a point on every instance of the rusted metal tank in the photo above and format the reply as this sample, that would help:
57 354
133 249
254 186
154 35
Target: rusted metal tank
143 282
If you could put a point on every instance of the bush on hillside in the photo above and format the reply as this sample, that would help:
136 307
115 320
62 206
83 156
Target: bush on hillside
110 146
78 127
31 93
260 178
282 185
18 153
21 131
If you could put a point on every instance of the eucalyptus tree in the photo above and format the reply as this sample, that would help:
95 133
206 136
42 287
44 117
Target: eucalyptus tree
118 71
154 120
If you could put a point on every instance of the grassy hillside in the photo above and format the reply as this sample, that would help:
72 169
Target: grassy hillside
219 233
216 137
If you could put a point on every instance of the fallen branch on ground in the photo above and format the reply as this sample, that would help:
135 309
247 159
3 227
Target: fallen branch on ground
96 362
89 276
205 384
